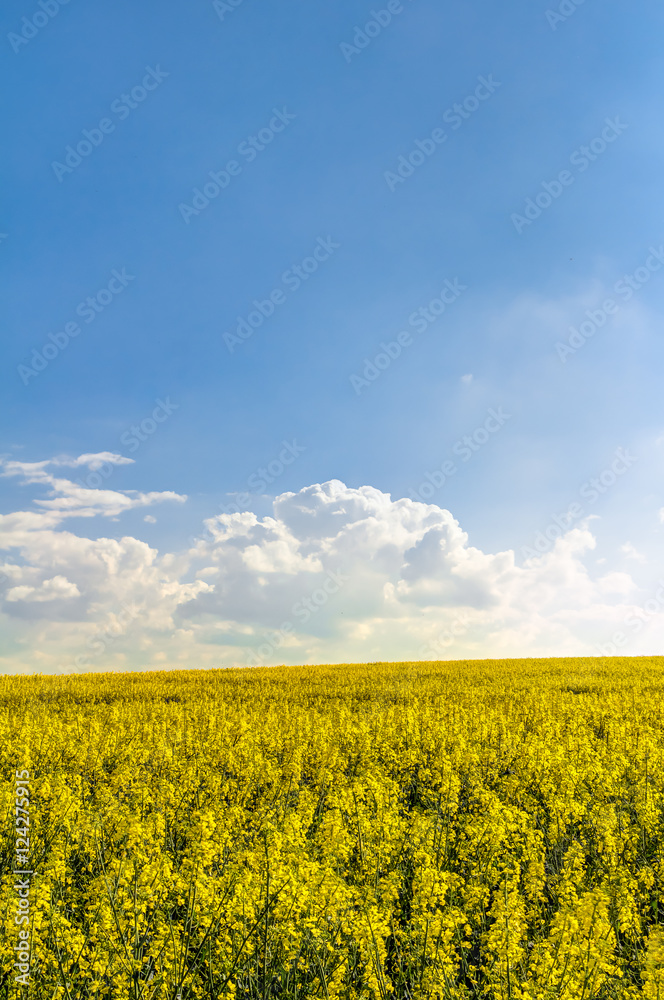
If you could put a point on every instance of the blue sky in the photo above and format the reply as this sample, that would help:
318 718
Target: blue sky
169 93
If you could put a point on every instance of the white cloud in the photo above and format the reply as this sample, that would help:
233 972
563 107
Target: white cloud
48 590
334 574
35 471
71 500
632 553
411 575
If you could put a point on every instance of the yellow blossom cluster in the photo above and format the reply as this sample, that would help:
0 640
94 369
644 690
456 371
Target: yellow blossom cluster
404 831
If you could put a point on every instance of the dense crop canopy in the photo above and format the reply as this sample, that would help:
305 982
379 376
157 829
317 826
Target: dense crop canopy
475 829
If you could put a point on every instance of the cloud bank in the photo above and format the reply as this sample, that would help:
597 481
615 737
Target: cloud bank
334 574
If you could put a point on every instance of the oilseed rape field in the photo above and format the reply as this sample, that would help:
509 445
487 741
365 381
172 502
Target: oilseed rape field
467 829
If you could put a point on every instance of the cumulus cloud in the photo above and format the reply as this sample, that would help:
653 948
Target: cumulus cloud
47 590
410 578
333 574
66 586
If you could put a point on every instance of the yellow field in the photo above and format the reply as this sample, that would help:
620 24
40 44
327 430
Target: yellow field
463 829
